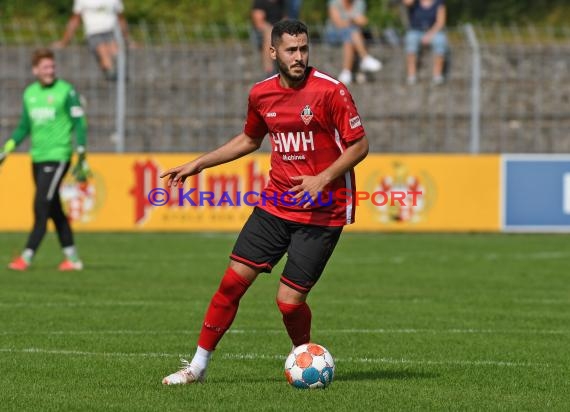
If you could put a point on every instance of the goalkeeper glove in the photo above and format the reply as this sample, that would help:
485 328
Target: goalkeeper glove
81 171
8 147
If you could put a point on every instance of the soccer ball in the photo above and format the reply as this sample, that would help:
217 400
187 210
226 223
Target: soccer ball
309 366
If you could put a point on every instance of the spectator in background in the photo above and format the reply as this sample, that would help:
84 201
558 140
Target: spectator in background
99 19
346 20
427 24
264 14
294 9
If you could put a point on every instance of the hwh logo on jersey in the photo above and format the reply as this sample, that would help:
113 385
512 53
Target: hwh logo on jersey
292 141
42 114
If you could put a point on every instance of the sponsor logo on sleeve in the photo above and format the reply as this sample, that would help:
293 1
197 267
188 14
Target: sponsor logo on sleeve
76 111
355 122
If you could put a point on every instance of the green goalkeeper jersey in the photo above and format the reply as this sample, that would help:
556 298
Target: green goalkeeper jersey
49 115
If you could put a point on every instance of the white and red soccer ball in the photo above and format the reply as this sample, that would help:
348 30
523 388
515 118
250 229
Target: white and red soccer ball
309 366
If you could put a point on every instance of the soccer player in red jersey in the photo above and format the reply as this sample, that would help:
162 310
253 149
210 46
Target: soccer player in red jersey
317 138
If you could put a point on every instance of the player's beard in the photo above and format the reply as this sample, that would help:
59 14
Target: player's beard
287 73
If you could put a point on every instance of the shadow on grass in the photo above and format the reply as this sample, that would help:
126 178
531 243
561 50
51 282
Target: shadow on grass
245 380
383 374
369 375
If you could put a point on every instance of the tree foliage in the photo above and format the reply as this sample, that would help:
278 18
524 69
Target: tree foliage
314 11
509 11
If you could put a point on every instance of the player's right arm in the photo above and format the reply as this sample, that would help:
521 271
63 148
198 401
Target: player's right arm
239 146
22 130
244 143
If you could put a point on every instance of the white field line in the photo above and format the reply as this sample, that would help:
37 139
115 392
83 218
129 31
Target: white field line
367 259
257 356
279 331
538 255
151 303
442 257
254 356
543 301
100 303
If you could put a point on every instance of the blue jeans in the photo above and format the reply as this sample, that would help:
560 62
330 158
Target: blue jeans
413 42
340 36
294 9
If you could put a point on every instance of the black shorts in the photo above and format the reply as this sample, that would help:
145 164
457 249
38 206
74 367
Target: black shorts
48 177
265 238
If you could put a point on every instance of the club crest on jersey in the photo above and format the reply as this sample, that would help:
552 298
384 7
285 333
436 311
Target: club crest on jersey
306 115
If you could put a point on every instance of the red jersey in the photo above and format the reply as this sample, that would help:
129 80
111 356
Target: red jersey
309 128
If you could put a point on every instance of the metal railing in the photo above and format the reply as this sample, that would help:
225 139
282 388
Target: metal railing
186 88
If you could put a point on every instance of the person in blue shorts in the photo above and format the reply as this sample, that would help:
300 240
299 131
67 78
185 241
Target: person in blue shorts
427 23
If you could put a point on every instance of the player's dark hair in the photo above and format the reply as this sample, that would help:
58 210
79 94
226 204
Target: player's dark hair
40 54
292 27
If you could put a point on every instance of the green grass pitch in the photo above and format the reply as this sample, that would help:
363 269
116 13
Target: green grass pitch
414 321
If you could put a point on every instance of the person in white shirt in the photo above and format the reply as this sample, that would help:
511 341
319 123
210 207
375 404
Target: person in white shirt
99 19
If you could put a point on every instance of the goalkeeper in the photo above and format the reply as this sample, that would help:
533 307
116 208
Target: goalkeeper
51 111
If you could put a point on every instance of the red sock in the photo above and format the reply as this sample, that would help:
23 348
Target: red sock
297 320
222 310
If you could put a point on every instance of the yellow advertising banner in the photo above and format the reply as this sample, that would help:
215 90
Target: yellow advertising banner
458 193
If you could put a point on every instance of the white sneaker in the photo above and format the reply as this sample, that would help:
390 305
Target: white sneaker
411 80
184 376
360 78
370 64
345 77
437 80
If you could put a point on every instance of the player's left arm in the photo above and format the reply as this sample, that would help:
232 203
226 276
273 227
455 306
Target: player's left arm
346 120
81 170
352 155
